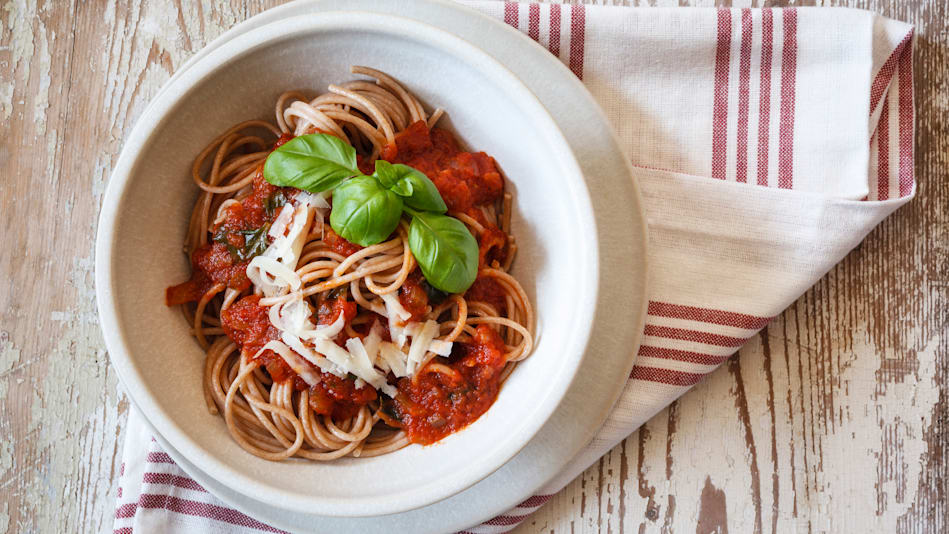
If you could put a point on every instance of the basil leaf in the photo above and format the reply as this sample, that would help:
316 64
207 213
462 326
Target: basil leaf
314 162
255 242
419 192
387 175
364 212
445 250
274 202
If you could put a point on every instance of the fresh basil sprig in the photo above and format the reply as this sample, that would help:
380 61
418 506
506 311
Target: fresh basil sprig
367 209
314 162
418 191
364 212
445 250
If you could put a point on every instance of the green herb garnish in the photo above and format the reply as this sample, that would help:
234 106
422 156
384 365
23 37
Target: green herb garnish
314 162
418 191
274 202
367 209
255 242
445 250
364 212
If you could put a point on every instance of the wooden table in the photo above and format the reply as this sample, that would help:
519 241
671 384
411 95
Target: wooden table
831 420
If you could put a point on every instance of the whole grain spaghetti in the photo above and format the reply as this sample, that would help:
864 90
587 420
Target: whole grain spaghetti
318 347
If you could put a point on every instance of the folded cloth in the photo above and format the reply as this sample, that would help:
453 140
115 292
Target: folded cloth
767 144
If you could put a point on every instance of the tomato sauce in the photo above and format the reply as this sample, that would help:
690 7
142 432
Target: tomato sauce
447 394
486 289
465 179
414 297
436 404
337 244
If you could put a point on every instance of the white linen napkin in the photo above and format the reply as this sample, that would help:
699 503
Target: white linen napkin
767 143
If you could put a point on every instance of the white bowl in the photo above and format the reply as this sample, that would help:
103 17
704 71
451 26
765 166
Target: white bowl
149 199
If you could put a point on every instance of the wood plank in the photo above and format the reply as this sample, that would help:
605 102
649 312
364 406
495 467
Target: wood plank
79 75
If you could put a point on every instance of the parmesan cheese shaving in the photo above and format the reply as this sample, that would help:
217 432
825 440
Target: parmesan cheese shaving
395 308
324 364
272 276
293 360
442 348
419 346
328 331
393 357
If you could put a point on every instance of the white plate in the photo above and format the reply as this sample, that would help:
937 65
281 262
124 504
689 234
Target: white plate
620 312
148 203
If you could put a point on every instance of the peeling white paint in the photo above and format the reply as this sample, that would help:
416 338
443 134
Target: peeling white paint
41 99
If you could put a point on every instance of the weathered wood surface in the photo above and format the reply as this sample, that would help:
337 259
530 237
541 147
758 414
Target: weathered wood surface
835 419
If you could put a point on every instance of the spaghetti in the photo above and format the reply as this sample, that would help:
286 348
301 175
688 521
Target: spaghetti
317 347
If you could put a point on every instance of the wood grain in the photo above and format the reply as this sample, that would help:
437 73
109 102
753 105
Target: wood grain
834 419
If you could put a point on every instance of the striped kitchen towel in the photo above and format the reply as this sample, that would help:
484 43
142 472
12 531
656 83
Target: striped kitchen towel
767 144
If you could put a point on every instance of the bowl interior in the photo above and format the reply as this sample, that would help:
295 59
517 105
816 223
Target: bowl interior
150 199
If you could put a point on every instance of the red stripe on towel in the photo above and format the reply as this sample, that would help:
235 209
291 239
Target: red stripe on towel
577 35
788 86
554 45
665 376
203 509
681 355
744 90
173 480
510 13
684 334
883 154
707 315
906 122
764 102
533 22
720 110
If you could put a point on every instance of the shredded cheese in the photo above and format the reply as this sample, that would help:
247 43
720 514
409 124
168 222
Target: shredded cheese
370 360
293 360
419 346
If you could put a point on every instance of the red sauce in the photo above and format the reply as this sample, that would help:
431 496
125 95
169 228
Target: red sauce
491 245
486 289
337 244
330 309
465 179
414 297
248 325
339 397
435 404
